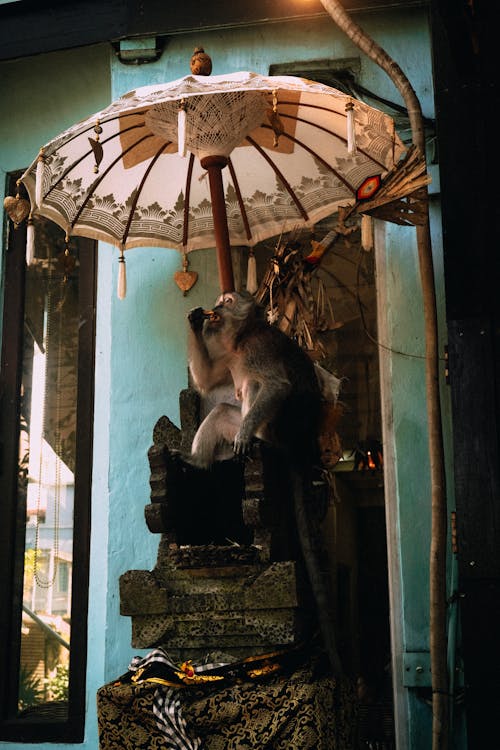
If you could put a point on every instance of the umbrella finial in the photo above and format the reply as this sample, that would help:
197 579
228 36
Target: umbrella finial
200 63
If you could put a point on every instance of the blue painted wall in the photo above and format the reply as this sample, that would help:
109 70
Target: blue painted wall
141 341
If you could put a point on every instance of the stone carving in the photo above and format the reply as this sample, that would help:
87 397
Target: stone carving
229 578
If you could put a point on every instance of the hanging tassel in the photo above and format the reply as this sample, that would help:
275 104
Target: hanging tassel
66 260
252 273
366 232
40 174
275 121
122 276
351 130
181 129
30 241
96 146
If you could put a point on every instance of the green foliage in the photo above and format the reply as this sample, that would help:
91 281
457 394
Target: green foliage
58 684
30 689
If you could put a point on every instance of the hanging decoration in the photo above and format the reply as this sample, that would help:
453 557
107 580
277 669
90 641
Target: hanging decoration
366 232
30 240
39 177
122 275
351 129
185 279
66 260
275 121
181 128
96 146
251 284
17 208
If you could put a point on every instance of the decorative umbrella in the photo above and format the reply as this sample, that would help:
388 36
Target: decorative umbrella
205 162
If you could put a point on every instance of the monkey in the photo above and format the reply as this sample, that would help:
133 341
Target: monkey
278 387
274 380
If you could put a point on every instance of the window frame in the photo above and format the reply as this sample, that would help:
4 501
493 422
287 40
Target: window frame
13 728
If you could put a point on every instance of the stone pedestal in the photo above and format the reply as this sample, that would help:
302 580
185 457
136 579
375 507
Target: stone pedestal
229 579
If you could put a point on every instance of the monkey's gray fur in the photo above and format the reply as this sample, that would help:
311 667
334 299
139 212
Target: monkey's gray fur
277 385
273 378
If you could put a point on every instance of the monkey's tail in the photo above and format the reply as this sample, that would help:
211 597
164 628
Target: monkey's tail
319 587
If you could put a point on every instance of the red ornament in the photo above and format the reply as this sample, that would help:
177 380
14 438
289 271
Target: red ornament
187 668
368 187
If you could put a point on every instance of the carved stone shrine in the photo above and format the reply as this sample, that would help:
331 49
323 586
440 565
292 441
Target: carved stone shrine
229 581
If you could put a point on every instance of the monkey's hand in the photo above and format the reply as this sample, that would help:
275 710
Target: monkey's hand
196 316
242 442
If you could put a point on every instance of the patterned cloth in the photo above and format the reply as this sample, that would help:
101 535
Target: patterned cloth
304 709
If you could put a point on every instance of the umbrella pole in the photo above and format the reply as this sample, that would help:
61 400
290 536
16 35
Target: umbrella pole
214 166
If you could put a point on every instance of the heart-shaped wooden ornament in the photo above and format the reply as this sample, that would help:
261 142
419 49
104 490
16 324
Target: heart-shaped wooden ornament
185 280
17 208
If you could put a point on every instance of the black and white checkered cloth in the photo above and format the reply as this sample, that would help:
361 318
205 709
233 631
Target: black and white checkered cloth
166 704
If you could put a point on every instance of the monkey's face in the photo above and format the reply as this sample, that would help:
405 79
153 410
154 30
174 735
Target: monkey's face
231 311
235 305
224 305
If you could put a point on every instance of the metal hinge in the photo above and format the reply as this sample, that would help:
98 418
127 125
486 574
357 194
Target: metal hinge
446 365
417 669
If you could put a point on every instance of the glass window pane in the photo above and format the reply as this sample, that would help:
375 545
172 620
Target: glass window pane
46 425
47 445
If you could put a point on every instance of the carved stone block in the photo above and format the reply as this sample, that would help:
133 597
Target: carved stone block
239 609
229 575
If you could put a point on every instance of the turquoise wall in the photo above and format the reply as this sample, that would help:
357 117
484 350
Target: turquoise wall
141 341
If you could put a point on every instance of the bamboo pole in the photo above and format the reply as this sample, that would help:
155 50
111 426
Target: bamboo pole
438 635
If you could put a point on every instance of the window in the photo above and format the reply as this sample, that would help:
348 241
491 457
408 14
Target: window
46 427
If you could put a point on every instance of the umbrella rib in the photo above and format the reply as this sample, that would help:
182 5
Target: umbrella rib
91 127
104 174
280 176
139 190
243 212
331 132
316 156
187 192
84 156
292 103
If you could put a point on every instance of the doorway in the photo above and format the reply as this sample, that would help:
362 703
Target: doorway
335 319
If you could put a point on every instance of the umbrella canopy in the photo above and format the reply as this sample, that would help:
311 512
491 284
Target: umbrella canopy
264 154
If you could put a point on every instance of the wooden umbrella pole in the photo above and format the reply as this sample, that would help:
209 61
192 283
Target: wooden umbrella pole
438 606
214 166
